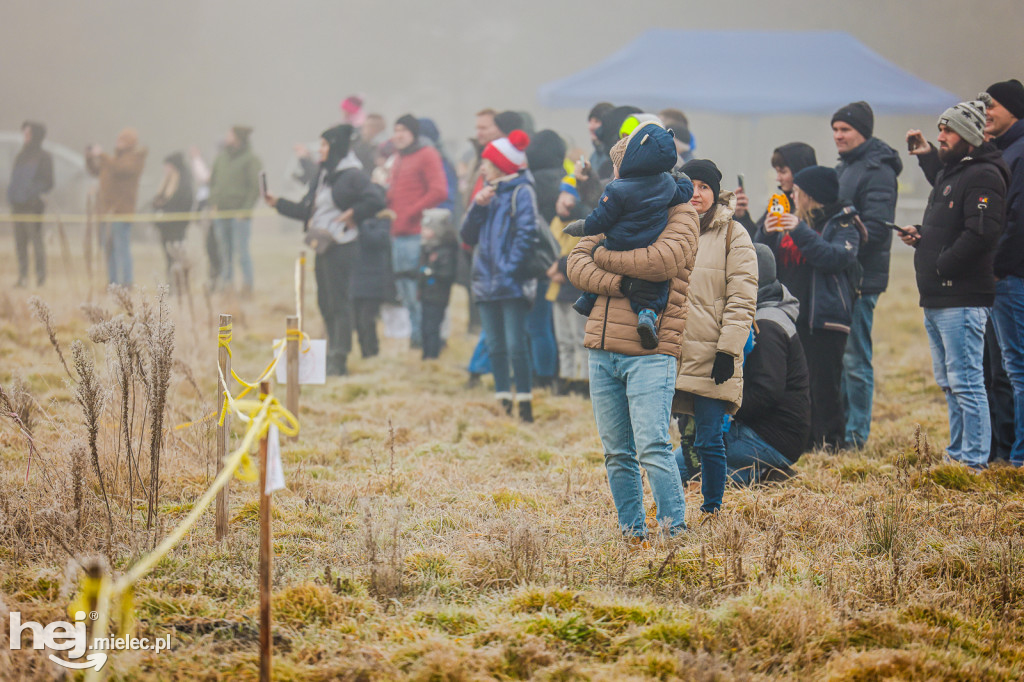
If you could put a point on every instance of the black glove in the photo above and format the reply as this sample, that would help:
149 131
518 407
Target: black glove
725 366
574 229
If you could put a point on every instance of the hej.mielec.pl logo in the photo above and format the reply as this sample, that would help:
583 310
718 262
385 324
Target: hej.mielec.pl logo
72 638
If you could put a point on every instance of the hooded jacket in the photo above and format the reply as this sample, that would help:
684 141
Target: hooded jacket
545 157
417 183
429 130
331 194
32 174
722 299
828 255
611 325
119 175
867 179
1010 254
504 233
234 179
776 390
633 210
960 229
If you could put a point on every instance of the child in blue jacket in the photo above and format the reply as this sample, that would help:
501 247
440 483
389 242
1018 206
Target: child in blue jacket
633 210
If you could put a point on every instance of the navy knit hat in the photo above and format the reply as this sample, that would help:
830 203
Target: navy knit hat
819 183
411 123
859 116
1010 94
507 121
706 171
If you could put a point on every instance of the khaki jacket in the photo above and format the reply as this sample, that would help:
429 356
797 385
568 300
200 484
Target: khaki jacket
612 323
119 180
723 299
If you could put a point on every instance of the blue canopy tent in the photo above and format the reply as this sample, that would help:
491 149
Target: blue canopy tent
747 73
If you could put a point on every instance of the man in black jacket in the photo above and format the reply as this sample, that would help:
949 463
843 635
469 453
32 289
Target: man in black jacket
771 427
955 247
867 172
1004 124
31 177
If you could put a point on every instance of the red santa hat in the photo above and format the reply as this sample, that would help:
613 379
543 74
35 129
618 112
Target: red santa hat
508 153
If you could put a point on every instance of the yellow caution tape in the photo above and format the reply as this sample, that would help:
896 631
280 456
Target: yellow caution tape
259 414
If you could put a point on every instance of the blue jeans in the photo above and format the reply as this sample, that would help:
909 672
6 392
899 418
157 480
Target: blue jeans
541 328
119 254
1008 316
709 442
405 260
233 241
858 374
480 363
748 457
505 329
957 340
632 397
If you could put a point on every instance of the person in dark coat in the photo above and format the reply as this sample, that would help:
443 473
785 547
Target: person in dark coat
339 200
31 178
439 254
372 282
771 427
546 159
787 160
428 130
174 196
816 254
955 248
1004 124
867 170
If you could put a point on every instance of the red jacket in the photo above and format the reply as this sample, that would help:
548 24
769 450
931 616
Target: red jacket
418 182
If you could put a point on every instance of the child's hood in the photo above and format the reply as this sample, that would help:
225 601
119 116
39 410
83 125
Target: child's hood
651 150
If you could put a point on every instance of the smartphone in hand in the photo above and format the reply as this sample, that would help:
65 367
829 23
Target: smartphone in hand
263 184
740 183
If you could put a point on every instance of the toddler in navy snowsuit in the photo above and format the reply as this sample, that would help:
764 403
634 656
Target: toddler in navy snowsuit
633 210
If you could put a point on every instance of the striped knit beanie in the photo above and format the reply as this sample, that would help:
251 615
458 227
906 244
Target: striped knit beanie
508 153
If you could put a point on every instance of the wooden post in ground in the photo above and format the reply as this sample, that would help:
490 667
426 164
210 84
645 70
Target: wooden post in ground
223 430
300 290
292 342
266 555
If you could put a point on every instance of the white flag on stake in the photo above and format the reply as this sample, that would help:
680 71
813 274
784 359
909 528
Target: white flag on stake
275 472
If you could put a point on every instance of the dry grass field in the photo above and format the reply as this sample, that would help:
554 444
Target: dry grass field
423 535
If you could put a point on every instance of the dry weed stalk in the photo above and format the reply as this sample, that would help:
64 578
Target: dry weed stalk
45 317
89 395
160 350
10 408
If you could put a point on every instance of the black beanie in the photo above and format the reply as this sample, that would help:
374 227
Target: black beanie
507 121
339 139
1010 94
859 116
411 122
706 171
820 183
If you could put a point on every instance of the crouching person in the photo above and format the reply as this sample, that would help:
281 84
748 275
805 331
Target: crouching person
771 427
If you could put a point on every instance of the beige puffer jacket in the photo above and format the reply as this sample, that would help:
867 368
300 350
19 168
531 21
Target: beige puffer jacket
612 323
723 300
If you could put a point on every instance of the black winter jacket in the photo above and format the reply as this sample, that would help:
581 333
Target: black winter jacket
372 278
867 179
960 229
829 255
32 174
350 188
776 381
438 262
1010 254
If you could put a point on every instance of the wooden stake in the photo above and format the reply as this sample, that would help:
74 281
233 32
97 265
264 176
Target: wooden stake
224 360
300 290
266 556
292 366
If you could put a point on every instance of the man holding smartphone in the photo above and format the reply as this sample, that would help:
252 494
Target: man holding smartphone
955 245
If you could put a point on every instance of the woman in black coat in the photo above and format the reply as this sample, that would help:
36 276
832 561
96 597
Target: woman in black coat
174 196
340 198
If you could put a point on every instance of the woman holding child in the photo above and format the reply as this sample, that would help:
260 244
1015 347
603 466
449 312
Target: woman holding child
632 386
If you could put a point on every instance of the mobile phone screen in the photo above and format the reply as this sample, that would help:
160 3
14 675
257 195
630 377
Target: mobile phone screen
263 183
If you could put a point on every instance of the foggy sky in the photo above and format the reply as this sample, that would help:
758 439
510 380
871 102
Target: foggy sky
182 72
